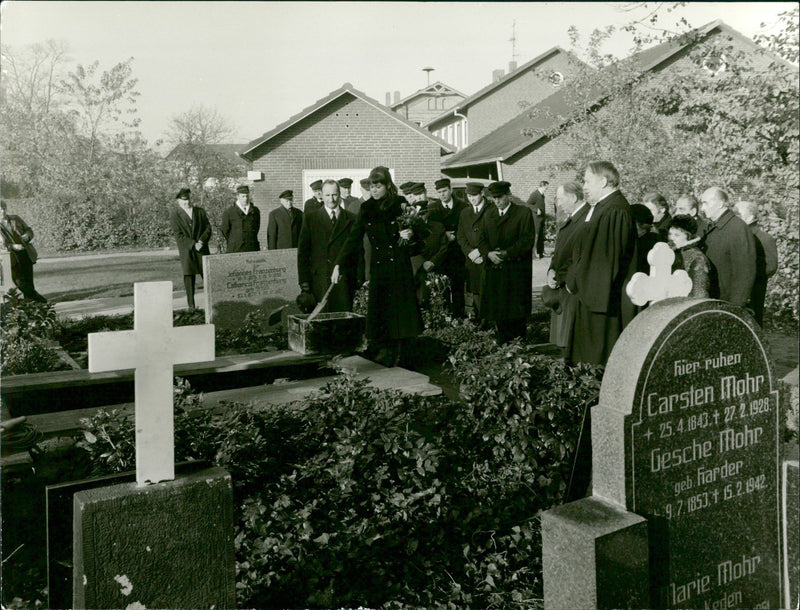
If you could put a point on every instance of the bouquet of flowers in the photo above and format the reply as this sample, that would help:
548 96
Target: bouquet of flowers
411 218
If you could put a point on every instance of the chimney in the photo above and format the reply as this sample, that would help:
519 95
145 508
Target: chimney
388 99
396 96
497 75
512 65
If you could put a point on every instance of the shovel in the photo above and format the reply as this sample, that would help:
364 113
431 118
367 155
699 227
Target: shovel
321 304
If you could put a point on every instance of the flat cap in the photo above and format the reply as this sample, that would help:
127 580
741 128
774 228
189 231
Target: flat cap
417 188
243 188
183 194
286 195
474 188
345 182
364 184
406 186
316 185
496 189
442 183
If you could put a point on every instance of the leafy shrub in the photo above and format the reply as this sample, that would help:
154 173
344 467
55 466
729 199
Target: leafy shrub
25 327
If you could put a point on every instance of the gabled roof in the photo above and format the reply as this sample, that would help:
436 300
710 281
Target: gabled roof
437 88
556 110
226 151
491 88
346 89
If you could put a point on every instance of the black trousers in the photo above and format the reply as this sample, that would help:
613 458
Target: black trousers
22 276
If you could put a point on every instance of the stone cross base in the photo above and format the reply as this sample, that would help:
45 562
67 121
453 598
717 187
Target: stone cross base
594 555
168 545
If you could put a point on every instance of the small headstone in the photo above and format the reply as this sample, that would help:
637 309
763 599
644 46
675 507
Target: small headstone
689 406
662 282
238 284
168 545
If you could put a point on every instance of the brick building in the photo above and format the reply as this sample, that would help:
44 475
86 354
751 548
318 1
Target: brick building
344 134
498 102
524 151
427 103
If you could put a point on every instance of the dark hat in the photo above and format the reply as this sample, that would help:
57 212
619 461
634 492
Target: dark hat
183 194
243 189
286 195
381 174
496 189
364 184
684 222
474 188
306 302
551 297
406 186
441 183
417 188
641 214
346 183
316 185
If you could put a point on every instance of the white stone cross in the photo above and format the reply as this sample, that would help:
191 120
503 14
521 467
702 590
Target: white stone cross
151 349
661 283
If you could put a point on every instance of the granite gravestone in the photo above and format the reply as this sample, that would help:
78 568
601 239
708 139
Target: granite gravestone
244 282
689 406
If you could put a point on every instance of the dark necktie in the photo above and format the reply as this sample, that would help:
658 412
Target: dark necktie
333 217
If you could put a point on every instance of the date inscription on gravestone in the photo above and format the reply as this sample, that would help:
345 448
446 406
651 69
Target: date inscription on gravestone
704 467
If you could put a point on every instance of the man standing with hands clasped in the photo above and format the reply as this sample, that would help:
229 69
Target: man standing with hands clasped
451 263
241 223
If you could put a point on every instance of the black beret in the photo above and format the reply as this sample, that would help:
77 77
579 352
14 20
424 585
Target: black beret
183 194
316 185
442 183
286 195
364 184
641 214
346 182
684 222
243 189
474 188
496 189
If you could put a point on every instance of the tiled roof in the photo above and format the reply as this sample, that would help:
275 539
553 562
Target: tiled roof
544 118
501 83
345 89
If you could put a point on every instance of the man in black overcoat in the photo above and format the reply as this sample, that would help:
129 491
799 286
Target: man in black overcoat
315 201
324 232
605 260
539 211
505 244
17 238
240 223
192 231
766 257
284 223
448 210
348 200
730 248
467 236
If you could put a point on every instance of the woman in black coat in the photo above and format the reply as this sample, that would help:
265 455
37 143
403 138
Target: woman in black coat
392 309
192 231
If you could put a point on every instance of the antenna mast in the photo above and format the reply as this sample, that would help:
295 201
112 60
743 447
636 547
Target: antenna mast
513 41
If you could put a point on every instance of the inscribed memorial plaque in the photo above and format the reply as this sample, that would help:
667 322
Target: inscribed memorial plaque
244 282
701 452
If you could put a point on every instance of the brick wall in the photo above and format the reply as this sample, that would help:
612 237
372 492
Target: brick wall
503 104
348 133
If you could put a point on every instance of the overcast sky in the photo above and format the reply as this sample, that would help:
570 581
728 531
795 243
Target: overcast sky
260 62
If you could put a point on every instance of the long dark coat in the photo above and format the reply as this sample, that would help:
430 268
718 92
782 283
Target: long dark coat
241 230
451 261
317 253
187 232
538 209
506 290
283 228
311 203
468 236
766 266
605 260
731 249
392 309
561 323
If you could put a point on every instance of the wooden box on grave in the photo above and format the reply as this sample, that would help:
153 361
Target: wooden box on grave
339 332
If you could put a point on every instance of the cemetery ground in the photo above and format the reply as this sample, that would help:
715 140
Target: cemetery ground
416 506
